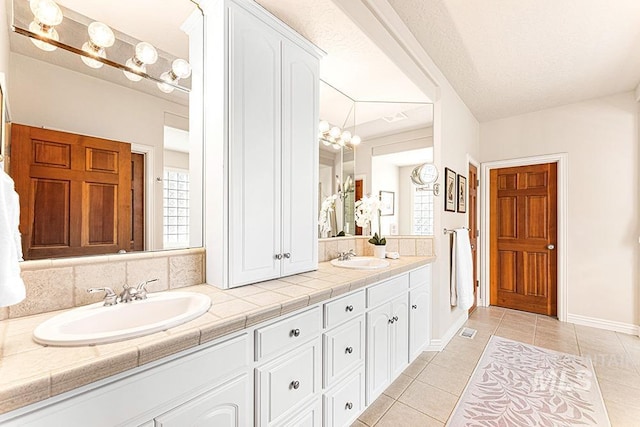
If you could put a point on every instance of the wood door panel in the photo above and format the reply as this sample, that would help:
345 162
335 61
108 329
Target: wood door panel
98 160
100 210
473 183
523 204
52 154
50 201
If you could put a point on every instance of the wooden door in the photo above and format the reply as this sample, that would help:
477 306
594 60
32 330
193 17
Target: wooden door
137 202
74 193
359 192
523 238
473 229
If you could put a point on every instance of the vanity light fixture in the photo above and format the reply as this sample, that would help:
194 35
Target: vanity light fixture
180 69
100 38
46 15
334 136
145 54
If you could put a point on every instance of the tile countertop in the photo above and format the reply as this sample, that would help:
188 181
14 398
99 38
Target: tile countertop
30 372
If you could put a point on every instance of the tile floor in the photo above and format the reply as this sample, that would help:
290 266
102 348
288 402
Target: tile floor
428 390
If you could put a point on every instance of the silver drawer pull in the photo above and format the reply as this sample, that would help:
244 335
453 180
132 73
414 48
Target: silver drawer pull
295 385
295 332
287 255
392 320
278 256
349 308
414 306
349 405
395 318
349 350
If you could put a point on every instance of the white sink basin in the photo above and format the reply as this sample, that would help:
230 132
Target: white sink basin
361 263
97 324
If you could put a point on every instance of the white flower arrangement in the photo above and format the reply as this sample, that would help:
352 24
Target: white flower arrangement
367 208
328 205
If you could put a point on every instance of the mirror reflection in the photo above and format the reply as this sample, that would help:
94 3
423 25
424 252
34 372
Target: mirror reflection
103 162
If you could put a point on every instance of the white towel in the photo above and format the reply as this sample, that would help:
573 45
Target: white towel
463 269
12 289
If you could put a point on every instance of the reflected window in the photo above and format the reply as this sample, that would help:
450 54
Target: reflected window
176 208
423 212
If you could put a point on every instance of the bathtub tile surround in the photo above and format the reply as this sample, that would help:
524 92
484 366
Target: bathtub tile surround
62 283
328 249
30 372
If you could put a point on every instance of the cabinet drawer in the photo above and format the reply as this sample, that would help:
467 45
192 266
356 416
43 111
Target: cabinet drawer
343 350
343 404
336 312
287 333
386 291
287 383
419 277
308 417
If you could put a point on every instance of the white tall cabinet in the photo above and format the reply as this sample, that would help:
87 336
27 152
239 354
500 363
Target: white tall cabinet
261 158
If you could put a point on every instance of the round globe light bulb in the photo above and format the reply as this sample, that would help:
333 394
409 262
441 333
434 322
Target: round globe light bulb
132 76
50 34
335 132
46 12
355 140
323 126
166 88
181 68
92 62
101 35
146 53
346 136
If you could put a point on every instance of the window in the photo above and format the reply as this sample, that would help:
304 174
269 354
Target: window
176 208
423 212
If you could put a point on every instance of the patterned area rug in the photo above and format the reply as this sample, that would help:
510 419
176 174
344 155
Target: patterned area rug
517 384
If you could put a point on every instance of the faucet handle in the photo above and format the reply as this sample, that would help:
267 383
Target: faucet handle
141 290
110 297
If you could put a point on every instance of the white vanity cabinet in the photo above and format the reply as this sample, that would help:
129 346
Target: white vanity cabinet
262 225
419 310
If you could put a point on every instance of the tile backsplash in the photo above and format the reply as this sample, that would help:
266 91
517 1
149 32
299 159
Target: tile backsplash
56 284
328 249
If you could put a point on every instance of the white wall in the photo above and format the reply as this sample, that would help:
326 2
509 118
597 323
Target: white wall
385 178
46 95
601 139
406 189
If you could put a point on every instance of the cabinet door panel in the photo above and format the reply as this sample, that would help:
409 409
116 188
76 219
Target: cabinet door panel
378 353
343 350
225 406
254 149
419 320
399 335
299 159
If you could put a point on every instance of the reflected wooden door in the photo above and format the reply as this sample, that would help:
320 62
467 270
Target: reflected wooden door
473 229
137 202
74 190
523 238
359 190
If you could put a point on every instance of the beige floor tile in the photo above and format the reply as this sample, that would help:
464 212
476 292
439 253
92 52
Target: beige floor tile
444 379
429 400
630 342
564 346
427 355
619 394
517 326
619 375
456 362
398 386
358 423
376 410
414 369
525 337
622 415
401 415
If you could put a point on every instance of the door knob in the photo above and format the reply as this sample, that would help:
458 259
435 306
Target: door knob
473 246
551 247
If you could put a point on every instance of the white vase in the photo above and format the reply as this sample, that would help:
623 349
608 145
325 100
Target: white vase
379 251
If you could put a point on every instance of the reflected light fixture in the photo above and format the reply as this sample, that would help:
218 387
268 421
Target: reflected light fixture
100 38
46 15
145 54
334 136
180 69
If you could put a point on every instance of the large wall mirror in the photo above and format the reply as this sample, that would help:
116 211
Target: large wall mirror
79 125
386 141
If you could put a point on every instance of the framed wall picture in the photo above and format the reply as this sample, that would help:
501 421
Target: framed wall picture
387 201
462 194
450 190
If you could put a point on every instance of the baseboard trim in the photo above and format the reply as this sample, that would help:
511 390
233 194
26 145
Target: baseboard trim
439 344
609 325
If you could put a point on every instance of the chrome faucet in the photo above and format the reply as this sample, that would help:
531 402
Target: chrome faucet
110 297
141 291
346 255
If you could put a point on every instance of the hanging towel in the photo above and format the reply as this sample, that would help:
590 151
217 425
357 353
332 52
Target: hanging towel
463 269
12 289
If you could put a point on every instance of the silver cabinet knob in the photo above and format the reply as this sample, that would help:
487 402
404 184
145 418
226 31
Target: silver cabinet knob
278 256
295 385
551 247
395 318
391 320
349 405
287 255
414 306
349 350
295 332
349 308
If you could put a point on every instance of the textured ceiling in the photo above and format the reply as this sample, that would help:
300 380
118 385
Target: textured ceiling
507 57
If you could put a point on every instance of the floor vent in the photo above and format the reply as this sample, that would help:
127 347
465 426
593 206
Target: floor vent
468 333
